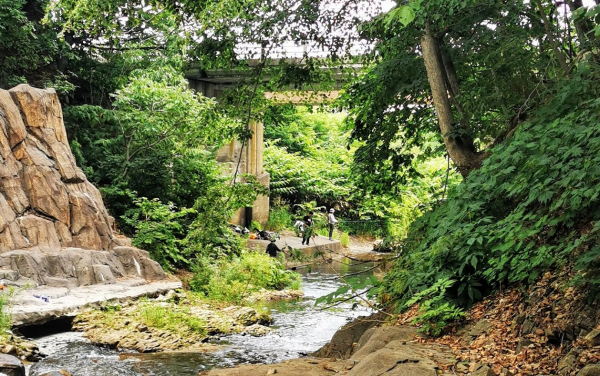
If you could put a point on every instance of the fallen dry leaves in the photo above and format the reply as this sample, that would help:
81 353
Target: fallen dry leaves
549 305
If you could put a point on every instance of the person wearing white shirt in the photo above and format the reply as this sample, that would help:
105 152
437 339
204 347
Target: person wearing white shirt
332 221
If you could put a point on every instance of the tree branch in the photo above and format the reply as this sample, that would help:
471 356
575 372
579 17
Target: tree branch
559 55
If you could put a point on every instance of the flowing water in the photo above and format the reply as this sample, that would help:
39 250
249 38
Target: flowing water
298 329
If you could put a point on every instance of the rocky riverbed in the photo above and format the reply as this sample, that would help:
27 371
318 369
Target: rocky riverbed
175 321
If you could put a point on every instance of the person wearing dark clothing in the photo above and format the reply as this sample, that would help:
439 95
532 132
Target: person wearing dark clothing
308 229
273 249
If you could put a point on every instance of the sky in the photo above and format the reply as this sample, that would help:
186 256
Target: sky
293 50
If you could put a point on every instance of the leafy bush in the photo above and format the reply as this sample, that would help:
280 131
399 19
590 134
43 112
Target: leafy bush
435 311
255 226
209 235
158 140
202 271
532 205
233 279
280 219
177 237
306 155
159 230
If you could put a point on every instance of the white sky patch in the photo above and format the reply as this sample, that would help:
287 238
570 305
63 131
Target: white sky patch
366 11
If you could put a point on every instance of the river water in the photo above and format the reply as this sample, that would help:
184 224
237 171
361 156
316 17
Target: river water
298 327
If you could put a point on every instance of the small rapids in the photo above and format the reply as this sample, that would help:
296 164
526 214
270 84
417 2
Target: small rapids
299 328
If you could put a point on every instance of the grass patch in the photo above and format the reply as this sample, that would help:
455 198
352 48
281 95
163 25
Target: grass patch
325 233
345 239
168 318
5 318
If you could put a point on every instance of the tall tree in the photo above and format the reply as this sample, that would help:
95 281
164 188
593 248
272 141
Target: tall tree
487 64
460 147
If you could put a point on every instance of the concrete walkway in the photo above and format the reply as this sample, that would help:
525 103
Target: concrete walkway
55 302
317 243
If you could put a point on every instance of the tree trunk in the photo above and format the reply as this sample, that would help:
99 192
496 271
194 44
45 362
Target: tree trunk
461 151
582 27
453 88
562 61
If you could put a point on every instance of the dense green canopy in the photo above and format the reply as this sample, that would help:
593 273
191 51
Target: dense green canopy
507 85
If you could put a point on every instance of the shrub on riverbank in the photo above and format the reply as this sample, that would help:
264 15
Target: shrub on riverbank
280 219
5 319
532 206
231 280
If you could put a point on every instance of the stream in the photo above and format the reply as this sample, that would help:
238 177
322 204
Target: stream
299 328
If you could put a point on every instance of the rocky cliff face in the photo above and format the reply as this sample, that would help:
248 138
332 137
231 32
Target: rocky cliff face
54 228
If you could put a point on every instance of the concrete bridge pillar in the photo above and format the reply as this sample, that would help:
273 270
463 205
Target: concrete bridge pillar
250 162
260 207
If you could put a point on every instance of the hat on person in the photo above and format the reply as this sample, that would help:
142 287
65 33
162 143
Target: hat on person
331 210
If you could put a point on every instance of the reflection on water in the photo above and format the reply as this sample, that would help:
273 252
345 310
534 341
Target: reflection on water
298 329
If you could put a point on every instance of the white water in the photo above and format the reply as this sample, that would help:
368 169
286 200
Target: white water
298 329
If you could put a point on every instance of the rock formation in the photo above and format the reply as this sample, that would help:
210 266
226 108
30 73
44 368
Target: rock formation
54 228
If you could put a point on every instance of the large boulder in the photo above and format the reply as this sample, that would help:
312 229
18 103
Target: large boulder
590 370
377 338
402 358
345 341
11 366
54 227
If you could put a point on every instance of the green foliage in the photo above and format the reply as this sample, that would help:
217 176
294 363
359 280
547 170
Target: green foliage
209 234
435 311
184 237
255 226
176 320
203 272
5 316
296 255
404 14
351 290
389 103
533 205
279 219
589 16
345 239
306 156
231 280
158 141
159 230
28 49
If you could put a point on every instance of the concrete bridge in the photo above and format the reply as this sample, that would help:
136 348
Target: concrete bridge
214 83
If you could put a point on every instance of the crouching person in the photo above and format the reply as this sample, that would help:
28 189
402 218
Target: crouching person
273 249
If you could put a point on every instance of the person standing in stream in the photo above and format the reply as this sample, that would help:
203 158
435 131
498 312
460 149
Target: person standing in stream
332 221
308 228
